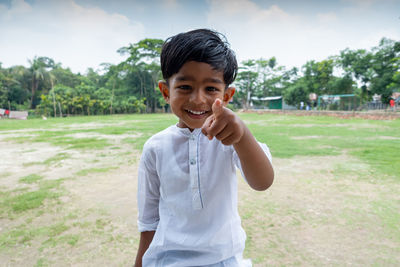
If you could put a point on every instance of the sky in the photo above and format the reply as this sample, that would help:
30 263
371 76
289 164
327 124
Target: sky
82 34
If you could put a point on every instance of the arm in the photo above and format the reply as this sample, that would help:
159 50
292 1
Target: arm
255 164
145 240
148 196
227 127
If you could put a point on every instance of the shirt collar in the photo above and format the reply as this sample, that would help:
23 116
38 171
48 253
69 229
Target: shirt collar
186 131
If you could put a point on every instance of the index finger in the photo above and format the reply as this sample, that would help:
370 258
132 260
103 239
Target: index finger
217 108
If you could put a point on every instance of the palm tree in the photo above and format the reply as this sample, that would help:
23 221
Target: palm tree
38 68
52 80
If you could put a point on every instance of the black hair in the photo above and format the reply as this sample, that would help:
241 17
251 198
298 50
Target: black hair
202 45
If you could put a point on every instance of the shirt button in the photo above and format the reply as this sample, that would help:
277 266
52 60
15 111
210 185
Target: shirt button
192 137
192 161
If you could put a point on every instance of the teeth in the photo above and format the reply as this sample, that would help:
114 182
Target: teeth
196 112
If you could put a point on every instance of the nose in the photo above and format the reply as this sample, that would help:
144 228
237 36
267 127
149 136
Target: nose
198 96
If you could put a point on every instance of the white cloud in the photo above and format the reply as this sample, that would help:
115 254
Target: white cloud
327 17
293 39
17 7
85 36
365 3
76 36
170 4
255 32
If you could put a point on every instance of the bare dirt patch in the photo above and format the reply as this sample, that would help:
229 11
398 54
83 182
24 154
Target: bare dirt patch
91 223
317 215
91 125
17 158
115 138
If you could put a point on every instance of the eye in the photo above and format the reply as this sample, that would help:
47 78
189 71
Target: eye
184 87
212 89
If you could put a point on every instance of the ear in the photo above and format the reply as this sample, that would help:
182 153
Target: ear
164 90
228 94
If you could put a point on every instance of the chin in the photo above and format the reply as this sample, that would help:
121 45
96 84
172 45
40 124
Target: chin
194 125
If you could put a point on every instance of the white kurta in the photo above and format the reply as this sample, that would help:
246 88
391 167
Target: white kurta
187 193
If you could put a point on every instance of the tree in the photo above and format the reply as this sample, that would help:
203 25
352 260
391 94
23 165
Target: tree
66 77
318 75
52 81
13 84
270 77
144 62
394 86
113 72
357 65
341 85
247 81
3 89
93 77
39 67
385 68
375 70
297 92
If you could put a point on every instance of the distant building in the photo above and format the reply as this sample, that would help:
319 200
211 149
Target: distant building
270 102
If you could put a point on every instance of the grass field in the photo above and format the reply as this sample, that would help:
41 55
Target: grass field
68 191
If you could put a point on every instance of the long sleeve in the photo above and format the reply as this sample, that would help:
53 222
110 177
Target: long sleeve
148 191
236 160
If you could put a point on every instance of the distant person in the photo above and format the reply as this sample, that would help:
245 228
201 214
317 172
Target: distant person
301 105
392 104
187 190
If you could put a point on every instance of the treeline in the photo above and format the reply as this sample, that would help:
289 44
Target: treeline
131 86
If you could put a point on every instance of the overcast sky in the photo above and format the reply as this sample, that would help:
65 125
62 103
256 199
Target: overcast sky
85 33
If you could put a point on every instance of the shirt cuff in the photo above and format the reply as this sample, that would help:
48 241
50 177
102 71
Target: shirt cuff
145 227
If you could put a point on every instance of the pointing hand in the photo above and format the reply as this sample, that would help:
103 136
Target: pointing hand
223 124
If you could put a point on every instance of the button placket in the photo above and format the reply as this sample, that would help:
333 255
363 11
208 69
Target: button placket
194 175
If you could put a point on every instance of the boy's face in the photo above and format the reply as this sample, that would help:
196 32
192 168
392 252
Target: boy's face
192 92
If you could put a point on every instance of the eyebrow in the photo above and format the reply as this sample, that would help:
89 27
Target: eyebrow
183 78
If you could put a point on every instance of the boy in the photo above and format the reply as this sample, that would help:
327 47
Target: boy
187 191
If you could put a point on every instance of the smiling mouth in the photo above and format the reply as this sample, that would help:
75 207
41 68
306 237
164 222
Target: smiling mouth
194 112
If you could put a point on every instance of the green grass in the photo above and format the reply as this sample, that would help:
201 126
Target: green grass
56 159
52 235
61 139
42 263
374 142
22 200
85 172
30 200
58 131
25 233
5 174
50 161
55 238
30 179
389 214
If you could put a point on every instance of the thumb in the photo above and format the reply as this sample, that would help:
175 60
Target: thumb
217 107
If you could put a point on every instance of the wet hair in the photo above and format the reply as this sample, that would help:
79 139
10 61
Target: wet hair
202 45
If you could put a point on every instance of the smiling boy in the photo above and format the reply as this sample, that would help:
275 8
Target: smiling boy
187 191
